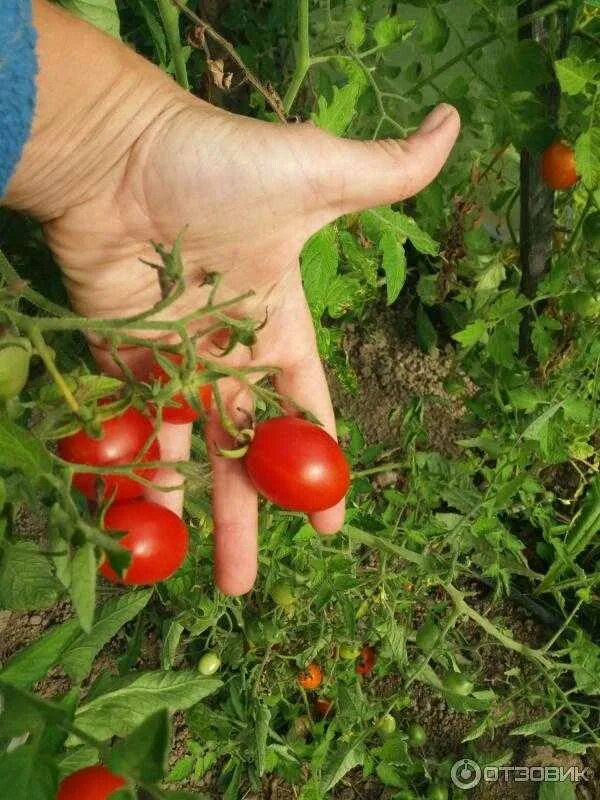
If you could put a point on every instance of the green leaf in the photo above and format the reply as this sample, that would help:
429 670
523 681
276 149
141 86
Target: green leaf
101 13
20 450
390 775
262 717
427 337
379 220
319 263
26 579
357 30
585 657
568 745
335 116
143 754
587 157
391 29
110 618
523 67
394 265
534 431
574 75
83 585
32 663
344 758
434 32
525 398
474 332
533 728
25 774
125 702
503 344
563 790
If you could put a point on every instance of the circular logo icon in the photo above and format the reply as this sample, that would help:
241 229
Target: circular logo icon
465 774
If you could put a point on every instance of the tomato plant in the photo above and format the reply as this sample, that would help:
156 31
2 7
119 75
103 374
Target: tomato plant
126 438
311 678
366 661
297 465
155 536
558 166
179 411
90 783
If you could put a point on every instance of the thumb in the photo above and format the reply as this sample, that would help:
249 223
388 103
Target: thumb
357 175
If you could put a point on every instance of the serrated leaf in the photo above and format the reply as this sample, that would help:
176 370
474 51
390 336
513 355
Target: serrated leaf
336 115
110 618
568 745
391 29
20 450
344 758
503 344
262 717
83 585
394 265
574 75
319 264
25 774
587 157
474 332
563 790
390 775
357 30
534 431
434 32
143 754
523 67
102 14
533 728
26 578
127 701
379 220
32 663
427 337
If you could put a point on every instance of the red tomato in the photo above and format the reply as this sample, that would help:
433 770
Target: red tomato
123 439
181 412
558 166
322 707
297 465
366 661
91 783
157 538
311 678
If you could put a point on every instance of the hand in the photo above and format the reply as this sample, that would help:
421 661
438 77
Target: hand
251 194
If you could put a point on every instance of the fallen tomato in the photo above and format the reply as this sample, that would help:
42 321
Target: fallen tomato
157 538
126 438
311 677
297 465
91 783
179 411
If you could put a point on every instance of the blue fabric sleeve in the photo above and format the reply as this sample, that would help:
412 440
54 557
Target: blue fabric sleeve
18 67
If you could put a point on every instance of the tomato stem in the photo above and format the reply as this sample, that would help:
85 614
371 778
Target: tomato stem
303 61
44 353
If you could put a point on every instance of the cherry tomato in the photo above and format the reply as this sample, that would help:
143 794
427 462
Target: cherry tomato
322 707
15 354
297 465
123 440
428 636
91 783
437 791
283 594
157 538
386 725
457 683
558 166
311 678
349 652
416 735
367 660
209 663
180 412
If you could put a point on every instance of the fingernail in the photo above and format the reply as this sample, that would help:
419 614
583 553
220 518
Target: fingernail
436 118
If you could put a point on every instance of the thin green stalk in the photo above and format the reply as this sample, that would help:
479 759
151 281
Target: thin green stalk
44 353
35 298
575 235
302 56
363 473
169 15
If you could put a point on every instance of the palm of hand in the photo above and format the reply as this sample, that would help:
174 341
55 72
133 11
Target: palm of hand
250 195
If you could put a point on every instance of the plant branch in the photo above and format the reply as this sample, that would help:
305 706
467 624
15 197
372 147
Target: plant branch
169 15
303 61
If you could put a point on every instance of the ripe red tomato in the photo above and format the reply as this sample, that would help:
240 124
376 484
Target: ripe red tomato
558 166
297 465
367 660
322 707
311 678
124 438
181 412
157 538
91 783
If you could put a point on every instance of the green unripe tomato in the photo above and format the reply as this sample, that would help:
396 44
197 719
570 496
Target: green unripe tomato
349 652
209 663
437 791
416 735
386 725
15 354
283 594
457 683
428 636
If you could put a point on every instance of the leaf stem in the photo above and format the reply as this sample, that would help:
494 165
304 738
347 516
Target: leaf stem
169 15
47 357
303 61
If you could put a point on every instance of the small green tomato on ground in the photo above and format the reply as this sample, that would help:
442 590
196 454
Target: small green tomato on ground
386 725
209 663
416 735
349 652
457 683
283 594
